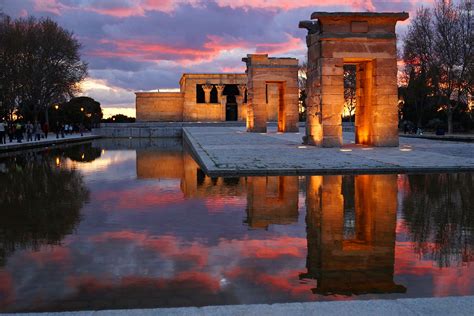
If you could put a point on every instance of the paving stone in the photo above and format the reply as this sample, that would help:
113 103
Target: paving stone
228 150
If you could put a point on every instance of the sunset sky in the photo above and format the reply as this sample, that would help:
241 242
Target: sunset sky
133 45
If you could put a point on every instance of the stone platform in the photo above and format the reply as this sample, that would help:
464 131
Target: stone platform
227 151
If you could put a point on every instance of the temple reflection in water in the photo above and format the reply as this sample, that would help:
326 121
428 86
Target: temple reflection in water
351 223
270 200
193 240
351 220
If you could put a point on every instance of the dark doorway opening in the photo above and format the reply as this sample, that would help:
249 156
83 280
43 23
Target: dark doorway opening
231 108
200 94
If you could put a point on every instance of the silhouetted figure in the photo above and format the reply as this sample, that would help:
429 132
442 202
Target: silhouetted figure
29 132
3 127
18 132
59 130
11 132
37 131
45 130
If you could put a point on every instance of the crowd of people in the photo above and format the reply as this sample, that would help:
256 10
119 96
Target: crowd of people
19 131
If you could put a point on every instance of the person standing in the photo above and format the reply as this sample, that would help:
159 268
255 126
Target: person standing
37 130
11 132
18 132
3 139
58 129
29 132
46 129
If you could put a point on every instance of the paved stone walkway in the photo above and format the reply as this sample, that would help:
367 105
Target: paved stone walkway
230 151
51 140
418 306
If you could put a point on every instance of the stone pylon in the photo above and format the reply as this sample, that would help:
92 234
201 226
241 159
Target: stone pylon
367 40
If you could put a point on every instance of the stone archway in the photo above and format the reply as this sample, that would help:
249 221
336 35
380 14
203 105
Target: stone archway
369 41
281 73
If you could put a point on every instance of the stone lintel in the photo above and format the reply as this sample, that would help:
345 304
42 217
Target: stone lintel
259 60
355 36
158 94
395 16
274 66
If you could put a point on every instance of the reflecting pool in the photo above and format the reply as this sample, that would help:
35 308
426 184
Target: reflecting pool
137 224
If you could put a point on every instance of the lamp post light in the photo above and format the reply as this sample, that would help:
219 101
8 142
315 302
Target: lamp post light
81 128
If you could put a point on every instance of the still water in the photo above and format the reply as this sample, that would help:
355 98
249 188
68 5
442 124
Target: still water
123 224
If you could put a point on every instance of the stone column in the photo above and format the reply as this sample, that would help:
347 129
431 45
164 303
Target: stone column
207 92
314 127
240 99
223 106
220 90
242 88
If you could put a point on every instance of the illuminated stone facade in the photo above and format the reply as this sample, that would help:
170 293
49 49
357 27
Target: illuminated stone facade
272 86
272 83
368 41
272 200
202 97
351 223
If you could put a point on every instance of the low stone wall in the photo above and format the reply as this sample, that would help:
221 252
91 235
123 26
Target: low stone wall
152 129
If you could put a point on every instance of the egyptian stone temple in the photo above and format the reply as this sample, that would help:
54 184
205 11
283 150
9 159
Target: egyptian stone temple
367 41
268 91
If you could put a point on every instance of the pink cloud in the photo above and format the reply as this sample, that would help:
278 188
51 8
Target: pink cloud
120 9
447 281
137 198
267 249
142 50
7 293
168 246
292 4
51 6
58 254
23 13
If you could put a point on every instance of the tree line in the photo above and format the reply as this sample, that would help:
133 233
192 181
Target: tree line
40 73
438 53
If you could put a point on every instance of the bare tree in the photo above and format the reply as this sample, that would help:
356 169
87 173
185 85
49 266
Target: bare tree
41 63
418 58
453 55
466 79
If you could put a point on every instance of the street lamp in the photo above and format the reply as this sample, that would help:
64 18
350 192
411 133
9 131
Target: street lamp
81 128
56 106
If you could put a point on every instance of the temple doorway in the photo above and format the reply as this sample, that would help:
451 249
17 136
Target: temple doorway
350 102
231 108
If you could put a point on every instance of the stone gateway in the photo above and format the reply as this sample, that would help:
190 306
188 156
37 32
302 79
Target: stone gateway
368 41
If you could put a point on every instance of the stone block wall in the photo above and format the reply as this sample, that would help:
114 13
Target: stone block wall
159 106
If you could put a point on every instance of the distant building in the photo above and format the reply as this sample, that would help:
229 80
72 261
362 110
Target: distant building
218 97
